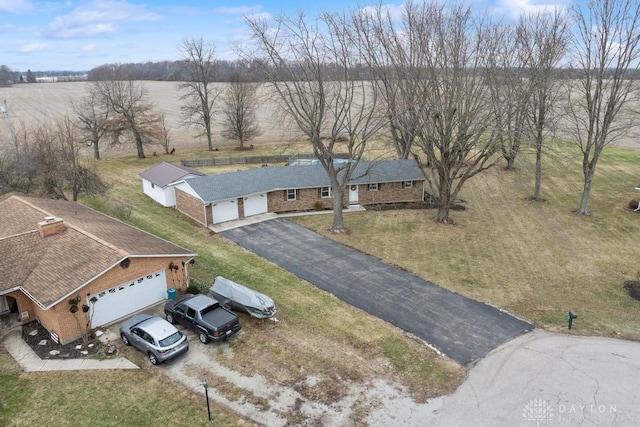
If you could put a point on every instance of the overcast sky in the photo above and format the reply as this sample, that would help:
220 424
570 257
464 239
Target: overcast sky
79 35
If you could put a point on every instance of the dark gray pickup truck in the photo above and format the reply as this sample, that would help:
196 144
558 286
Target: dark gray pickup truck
204 315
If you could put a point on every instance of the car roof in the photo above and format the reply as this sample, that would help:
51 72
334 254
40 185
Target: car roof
157 327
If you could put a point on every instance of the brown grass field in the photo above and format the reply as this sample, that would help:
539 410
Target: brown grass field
46 102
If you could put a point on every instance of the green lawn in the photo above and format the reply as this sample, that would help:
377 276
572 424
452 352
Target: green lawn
316 335
535 259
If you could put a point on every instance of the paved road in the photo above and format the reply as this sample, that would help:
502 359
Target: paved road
461 328
547 379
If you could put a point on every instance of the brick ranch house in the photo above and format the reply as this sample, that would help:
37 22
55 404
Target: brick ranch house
213 199
56 251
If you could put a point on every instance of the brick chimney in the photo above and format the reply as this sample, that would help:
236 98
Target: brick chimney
50 226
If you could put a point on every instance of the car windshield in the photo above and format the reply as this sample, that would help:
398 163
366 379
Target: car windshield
171 339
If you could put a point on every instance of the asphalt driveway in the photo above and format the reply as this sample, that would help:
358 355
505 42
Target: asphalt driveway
462 328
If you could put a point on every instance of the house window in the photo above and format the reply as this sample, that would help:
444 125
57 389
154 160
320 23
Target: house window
373 186
152 185
325 192
291 194
407 184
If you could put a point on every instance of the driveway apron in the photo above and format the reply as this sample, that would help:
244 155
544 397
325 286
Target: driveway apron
462 328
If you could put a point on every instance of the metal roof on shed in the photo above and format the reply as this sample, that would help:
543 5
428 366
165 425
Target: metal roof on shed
165 173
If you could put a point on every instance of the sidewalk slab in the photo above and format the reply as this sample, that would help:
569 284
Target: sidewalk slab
30 362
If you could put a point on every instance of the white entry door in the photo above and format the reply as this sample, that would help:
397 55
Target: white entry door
353 194
120 301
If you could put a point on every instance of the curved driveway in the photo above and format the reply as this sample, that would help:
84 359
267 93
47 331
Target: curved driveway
461 328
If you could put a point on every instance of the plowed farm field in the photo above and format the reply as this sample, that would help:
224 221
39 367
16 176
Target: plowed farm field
37 103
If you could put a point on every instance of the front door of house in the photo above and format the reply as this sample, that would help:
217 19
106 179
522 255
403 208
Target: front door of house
353 194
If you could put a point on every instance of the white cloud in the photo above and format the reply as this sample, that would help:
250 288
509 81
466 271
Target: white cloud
33 47
98 18
238 10
15 6
89 48
515 8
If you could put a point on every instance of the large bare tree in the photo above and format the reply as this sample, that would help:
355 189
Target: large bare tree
395 63
199 91
543 40
93 116
76 176
319 86
441 57
128 101
606 56
240 100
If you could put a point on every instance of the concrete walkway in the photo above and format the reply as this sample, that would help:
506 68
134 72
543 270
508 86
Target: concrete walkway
30 362
230 225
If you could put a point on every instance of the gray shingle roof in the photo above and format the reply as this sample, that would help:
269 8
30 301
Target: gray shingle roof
165 173
213 188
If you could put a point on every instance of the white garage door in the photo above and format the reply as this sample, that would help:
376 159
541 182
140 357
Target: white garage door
225 211
255 205
127 298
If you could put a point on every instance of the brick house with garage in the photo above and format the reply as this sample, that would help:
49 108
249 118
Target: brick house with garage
213 199
56 251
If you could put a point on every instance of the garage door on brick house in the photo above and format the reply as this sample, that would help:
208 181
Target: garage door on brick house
126 298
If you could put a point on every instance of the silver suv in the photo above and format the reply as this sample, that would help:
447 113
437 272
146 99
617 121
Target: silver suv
154 336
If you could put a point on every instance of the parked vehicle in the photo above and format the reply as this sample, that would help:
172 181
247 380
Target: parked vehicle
241 298
204 315
155 336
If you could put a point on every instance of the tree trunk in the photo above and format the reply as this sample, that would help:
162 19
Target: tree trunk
139 146
586 191
511 163
538 173
96 149
444 200
338 222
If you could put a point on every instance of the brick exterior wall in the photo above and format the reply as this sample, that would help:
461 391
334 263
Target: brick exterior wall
392 192
193 208
59 319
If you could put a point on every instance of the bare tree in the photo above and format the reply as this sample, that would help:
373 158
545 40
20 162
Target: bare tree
543 39
74 176
93 116
396 65
319 87
510 89
199 92
164 132
240 100
606 52
130 105
456 131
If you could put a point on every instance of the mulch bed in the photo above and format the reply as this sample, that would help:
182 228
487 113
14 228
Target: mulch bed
633 288
39 339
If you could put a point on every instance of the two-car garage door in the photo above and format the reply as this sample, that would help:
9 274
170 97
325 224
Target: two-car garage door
120 301
228 210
